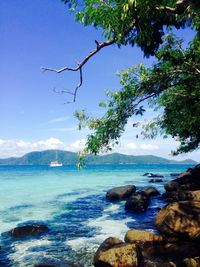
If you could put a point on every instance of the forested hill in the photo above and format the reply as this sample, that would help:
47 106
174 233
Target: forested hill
66 157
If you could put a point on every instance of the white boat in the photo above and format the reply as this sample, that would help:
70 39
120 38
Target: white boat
55 164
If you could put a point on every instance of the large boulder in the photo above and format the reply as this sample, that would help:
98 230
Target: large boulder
173 196
180 219
167 254
189 180
114 253
28 230
150 191
133 236
120 193
137 202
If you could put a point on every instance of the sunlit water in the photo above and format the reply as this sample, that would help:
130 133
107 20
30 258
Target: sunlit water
72 204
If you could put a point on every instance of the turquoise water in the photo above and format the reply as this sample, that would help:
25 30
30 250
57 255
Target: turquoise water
72 204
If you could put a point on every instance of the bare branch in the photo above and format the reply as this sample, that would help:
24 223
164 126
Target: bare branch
81 64
79 67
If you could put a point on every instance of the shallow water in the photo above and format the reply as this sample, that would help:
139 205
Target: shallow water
72 204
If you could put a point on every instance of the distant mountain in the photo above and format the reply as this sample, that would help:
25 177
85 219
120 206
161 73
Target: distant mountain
68 158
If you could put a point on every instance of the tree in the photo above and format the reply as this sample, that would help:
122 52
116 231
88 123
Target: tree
172 84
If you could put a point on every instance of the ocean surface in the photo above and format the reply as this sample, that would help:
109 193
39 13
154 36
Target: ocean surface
72 204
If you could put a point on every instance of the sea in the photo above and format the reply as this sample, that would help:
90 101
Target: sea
72 204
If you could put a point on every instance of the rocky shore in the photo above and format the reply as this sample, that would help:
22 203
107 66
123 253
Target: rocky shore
178 225
176 242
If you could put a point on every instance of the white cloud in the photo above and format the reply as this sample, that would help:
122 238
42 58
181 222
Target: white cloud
131 146
51 143
1 142
57 120
17 148
149 147
77 145
135 148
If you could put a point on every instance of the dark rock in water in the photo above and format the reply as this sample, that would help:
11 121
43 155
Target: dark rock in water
189 180
45 265
113 252
120 193
153 175
174 174
150 191
155 180
173 196
147 174
137 202
180 219
27 230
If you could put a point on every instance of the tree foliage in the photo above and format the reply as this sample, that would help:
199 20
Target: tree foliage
137 22
171 85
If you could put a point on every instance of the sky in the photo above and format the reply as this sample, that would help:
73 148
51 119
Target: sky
33 117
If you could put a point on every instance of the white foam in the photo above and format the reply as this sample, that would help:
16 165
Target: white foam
110 227
112 208
105 228
22 249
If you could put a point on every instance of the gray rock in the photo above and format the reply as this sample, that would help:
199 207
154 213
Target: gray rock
28 230
156 180
137 202
150 191
120 193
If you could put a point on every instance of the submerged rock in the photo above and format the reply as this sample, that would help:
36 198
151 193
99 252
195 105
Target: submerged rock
152 175
137 202
114 253
155 180
180 219
175 174
120 193
27 230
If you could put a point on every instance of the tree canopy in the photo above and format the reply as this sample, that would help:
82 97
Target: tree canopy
171 85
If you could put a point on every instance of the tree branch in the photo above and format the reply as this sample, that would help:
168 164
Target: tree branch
80 65
179 9
85 60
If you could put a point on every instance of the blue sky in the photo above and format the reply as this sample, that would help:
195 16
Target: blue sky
33 117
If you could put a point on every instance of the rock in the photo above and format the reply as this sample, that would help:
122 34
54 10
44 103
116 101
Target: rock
120 193
189 180
27 230
114 253
192 262
150 191
137 202
166 254
175 174
152 175
156 180
173 196
180 219
133 236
